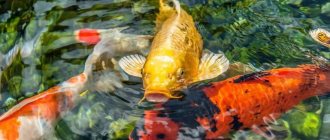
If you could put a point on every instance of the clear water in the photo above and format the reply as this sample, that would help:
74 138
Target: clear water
264 33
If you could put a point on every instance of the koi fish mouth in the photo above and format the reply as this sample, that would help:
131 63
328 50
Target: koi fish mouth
156 97
159 96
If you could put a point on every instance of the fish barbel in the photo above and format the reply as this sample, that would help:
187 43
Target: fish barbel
243 102
176 58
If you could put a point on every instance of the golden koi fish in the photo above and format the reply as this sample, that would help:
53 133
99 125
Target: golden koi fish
321 36
176 58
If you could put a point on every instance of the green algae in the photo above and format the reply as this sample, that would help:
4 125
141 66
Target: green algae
305 124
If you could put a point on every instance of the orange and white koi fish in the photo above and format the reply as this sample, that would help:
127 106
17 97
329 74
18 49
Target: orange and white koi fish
34 118
175 59
243 102
93 36
321 36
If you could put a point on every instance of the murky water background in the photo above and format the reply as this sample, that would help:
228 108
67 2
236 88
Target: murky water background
263 33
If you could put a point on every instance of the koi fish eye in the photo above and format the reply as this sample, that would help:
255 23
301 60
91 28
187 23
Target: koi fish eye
180 73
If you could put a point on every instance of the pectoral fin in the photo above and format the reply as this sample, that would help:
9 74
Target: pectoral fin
212 65
132 64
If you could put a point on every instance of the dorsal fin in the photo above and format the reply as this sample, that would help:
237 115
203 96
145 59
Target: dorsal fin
251 76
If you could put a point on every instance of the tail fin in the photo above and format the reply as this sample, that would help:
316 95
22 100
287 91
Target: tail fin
325 69
317 77
166 11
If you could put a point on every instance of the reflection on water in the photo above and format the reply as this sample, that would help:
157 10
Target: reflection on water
263 33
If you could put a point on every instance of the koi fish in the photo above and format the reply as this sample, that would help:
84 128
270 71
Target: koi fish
176 58
114 44
93 36
321 36
35 117
244 102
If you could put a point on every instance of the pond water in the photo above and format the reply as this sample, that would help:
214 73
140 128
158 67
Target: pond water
265 34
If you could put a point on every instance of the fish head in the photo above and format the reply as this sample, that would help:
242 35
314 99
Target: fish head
163 74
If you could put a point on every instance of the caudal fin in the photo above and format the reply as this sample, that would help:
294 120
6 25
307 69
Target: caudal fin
166 11
317 77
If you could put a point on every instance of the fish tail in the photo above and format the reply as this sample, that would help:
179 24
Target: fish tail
177 6
317 77
326 70
164 6
166 11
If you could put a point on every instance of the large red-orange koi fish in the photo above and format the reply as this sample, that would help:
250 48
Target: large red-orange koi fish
239 103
